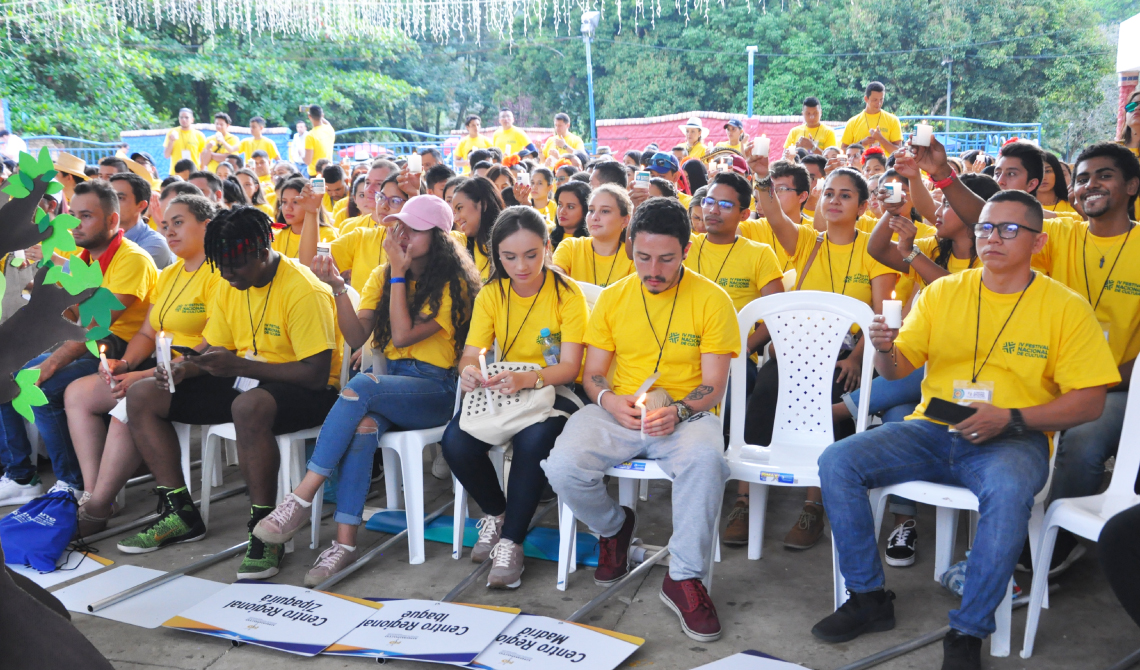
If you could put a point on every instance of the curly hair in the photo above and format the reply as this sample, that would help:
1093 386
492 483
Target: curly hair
449 267
234 235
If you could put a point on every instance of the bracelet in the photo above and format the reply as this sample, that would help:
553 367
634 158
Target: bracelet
342 291
765 183
887 351
598 400
943 183
914 253
397 280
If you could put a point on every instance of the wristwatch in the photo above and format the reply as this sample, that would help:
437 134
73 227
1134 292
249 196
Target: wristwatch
914 253
1016 425
540 382
683 410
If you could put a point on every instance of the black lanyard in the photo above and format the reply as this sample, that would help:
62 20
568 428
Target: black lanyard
701 252
264 307
510 289
661 341
1085 265
978 329
162 311
594 264
846 275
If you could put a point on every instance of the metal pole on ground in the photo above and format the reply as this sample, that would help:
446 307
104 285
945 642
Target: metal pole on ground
1127 662
168 577
619 585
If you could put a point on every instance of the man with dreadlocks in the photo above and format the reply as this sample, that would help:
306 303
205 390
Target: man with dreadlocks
272 368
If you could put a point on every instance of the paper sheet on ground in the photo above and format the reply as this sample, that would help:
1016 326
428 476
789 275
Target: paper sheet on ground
541 642
72 565
426 630
287 618
148 609
750 660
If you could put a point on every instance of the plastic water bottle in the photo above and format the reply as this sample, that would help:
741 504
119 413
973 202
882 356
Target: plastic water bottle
551 348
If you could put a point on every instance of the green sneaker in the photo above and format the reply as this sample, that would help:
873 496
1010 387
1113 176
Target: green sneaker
179 522
262 560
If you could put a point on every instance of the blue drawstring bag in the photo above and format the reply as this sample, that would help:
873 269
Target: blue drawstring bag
38 533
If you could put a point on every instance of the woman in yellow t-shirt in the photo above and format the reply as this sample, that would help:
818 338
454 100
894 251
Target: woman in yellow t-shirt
181 306
361 251
874 162
601 258
292 210
541 185
572 198
1053 191
536 316
417 310
476 204
253 190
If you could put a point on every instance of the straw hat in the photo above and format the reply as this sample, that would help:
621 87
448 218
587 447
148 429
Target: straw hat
694 123
139 169
72 165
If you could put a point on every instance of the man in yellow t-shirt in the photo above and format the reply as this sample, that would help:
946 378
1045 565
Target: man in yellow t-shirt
872 126
319 140
507 138
811 134
129 274
666 321
272 368
562 141
184 142
791 183
258 143
219 145
470 143
1025 354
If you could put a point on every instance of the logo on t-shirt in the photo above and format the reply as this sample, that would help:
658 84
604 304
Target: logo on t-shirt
273 329
685 339
735 282
1026 349
1124 287
859 279
191 308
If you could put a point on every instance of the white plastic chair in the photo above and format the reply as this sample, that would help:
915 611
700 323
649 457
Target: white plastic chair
590 291
182 430
807 329
1087 515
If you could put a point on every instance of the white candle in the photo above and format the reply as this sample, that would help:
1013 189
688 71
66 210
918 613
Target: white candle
641 404
103 362
892 312
162 353
896 190
923 135
761 146
483 370
415 163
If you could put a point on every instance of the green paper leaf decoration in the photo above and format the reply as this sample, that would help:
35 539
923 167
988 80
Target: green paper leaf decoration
29 165
60 238
83 276
30 394
16 189
98 307
54 187
45 168
93 345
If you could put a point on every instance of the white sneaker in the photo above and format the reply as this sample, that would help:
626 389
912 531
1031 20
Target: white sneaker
15 493
439 467
64 486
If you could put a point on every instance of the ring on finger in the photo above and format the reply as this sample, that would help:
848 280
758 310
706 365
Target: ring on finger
973 436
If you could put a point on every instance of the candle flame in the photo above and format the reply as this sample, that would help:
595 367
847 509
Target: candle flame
483 351
102 349
641 400
892 295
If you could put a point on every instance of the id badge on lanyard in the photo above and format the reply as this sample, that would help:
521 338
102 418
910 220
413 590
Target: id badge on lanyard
966 392
1105 326
243 384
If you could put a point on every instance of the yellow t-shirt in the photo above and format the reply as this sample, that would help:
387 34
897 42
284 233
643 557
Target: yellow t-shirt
267 208
859 128
698 151
846 269
439 348
187 144
340 212
685 199
250 145
482 262
571 139
929 248
549 213
351 224
212 145
1073 255
131 272
288 244
703 322
741 268
513 138
1062 207
562 309
576 256
759 230
467 145
320 140
361 251
1053 344
823 136
293 316
183 301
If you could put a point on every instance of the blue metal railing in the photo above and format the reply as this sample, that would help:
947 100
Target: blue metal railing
396 141
988 137
89 150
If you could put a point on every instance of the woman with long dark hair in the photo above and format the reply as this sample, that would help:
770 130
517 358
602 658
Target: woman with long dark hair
292 210
572 199
601 258
253 190
524 301
417 309
476 204
1053 191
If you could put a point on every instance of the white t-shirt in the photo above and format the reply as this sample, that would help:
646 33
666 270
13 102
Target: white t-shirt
12 146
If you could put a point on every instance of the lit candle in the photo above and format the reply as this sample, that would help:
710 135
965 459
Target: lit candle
923 135
415 163
892 312
761 146
162 353
483 369
641 404
896 190
103 362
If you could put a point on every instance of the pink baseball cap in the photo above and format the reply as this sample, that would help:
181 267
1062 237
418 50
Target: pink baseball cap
424 212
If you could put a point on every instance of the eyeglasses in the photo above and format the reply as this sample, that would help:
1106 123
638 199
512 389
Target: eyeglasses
1131 107
785 189
719 204
561 179
1006 231
382 199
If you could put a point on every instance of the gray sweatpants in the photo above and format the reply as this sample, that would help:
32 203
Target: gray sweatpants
593 441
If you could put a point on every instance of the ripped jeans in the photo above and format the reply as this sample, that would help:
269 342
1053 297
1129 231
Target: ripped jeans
412 396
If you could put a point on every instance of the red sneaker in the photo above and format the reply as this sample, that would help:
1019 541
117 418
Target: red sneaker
613 552
692 604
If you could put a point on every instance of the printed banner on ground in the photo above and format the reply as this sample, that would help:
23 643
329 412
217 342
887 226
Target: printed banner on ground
147 609
426 630
71 565
541 642
750 660
278 616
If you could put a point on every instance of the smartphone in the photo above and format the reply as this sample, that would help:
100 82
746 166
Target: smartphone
948 412
318 184
185 351
641 179
303 108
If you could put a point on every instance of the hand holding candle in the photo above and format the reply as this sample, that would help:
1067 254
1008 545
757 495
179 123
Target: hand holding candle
415 163
162 354
106 366
923 134
641 405
892 312
483 370
761 146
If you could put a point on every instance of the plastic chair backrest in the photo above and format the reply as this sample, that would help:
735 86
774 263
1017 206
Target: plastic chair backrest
591 291
1122 485
807 329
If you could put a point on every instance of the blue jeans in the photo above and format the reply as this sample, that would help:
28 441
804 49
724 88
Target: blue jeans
413 395
1004 473
16 450
893 400
1082 450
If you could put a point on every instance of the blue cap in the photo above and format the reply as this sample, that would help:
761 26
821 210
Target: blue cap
735 123
545 332
662 162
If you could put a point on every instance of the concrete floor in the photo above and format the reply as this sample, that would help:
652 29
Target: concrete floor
769 605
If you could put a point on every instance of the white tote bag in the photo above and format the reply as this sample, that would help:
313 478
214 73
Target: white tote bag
495 418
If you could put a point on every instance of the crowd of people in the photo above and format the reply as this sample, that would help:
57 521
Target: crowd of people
1021 294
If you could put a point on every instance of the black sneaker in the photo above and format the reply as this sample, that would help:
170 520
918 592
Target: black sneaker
872 612
961 651
262 559
1066 551
900 545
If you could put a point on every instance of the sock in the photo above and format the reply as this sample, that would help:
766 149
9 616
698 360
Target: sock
24 481
304 504
348 548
